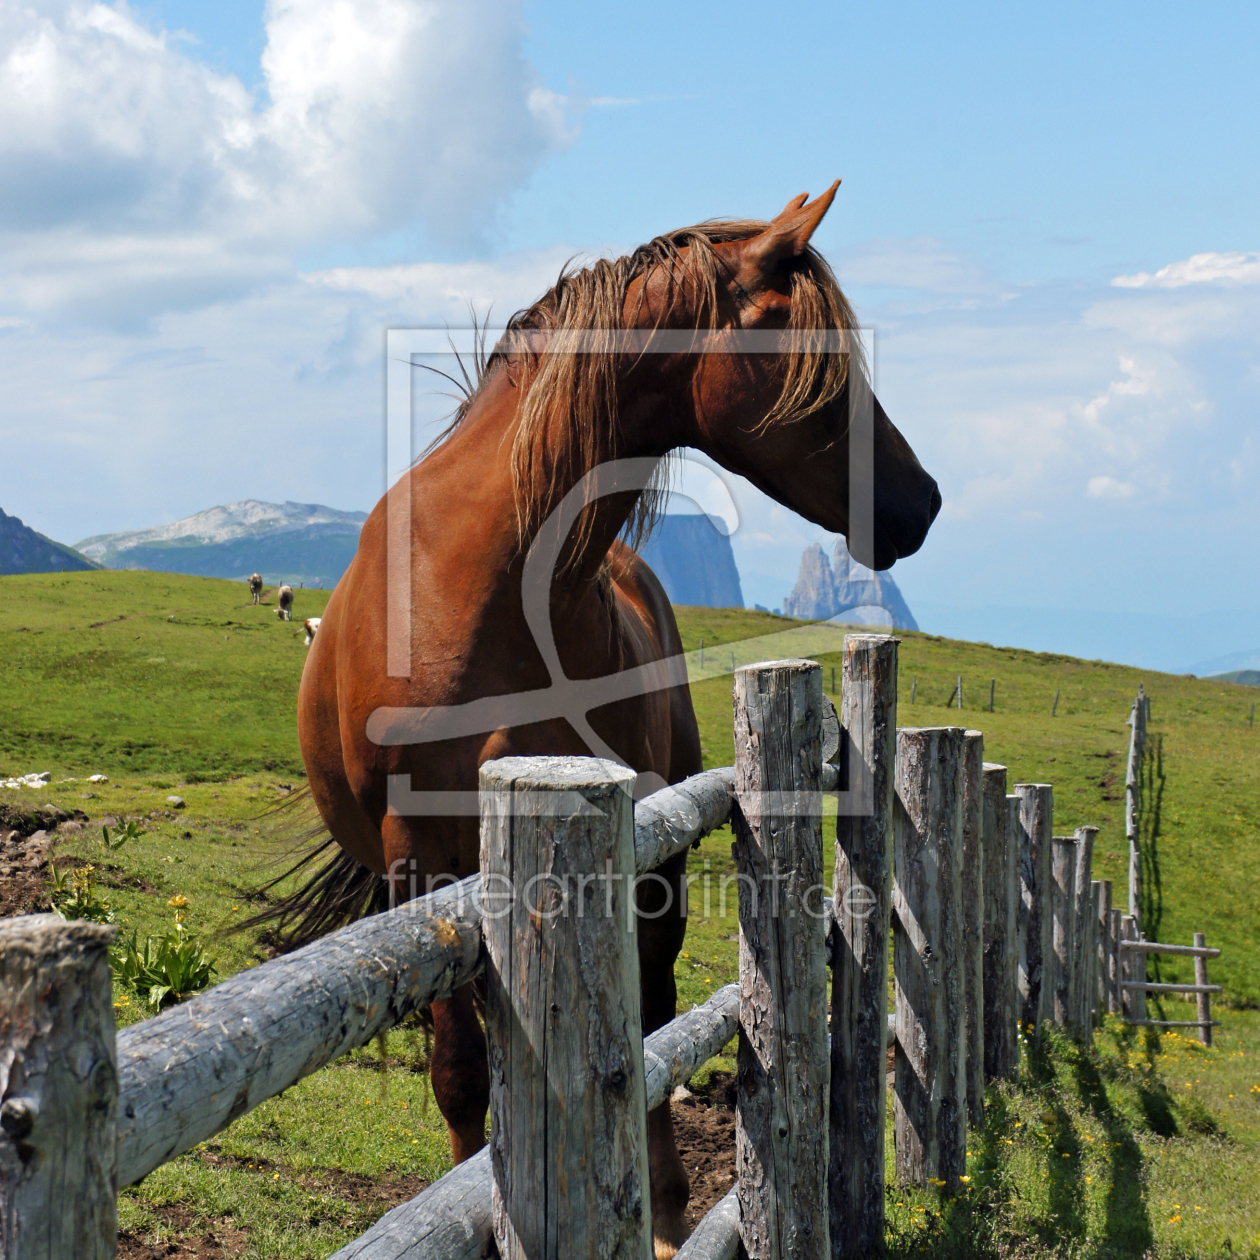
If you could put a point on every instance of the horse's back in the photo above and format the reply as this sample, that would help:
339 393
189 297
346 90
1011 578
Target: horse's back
643 595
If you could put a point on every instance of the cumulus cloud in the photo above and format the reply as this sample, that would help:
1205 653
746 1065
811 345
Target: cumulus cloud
1104 487
1236 268
133 177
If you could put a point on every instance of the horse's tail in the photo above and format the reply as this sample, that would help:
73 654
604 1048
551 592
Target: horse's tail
338 889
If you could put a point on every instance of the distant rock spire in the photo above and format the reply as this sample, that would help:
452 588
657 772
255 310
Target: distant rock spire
846 590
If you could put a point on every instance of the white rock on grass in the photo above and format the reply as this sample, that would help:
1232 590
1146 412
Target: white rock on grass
29 780
175 802
97 778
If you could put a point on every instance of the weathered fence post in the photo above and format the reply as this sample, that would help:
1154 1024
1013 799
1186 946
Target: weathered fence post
568 1125
973 922
1084 915
1093 1001
1128 997
929 1092
1115 965
59 1082
781 1122
1103 928
1001 951
862 897
1036 824
1205 998
1132 785
1058 970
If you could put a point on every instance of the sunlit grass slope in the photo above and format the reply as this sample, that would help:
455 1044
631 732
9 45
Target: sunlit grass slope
147 672
1201 817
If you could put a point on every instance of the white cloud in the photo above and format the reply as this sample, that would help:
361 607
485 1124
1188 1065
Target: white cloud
1206 268
134 178
1104 487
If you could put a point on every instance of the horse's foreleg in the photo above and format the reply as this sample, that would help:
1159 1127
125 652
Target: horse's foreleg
460 1072
662 924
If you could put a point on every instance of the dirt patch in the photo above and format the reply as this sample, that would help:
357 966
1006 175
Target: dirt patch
24 873
27 836
704 1128
206 1239
184 1233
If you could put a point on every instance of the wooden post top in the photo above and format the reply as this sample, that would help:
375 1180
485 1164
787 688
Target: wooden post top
38 936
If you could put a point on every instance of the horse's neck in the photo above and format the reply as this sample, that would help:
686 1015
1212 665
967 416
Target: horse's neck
467 486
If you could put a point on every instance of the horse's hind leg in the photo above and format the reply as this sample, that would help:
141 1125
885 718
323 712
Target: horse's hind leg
459 1068
460 1072
661 927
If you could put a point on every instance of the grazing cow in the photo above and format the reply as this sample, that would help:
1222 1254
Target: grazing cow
310 625
284 597
255 586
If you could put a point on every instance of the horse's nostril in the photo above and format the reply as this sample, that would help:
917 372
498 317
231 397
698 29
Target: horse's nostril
934 504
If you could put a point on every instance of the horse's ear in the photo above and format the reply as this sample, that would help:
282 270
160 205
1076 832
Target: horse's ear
789 233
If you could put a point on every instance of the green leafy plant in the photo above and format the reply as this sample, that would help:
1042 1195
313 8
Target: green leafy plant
128 831
74 895
166 969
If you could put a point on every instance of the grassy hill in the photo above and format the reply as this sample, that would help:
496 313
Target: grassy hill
1138 1146
141 673
132 673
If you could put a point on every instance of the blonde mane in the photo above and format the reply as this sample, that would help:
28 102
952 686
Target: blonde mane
568 420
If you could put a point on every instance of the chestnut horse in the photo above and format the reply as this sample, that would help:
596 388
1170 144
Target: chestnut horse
536 425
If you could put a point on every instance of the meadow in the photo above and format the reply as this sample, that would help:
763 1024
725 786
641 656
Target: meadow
1136 1144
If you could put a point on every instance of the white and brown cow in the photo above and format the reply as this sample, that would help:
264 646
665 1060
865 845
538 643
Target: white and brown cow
310 625
255 586
284 600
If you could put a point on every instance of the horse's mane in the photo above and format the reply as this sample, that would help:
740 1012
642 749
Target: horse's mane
568 417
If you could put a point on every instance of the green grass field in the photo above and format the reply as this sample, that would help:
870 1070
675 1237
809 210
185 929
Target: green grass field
1138 1145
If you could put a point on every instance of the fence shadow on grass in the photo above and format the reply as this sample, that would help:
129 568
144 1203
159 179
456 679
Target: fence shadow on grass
1062 1082
1127 1221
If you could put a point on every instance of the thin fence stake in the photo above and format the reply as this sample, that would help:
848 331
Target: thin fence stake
992 686
914 682
1054 708
1205 998
960 691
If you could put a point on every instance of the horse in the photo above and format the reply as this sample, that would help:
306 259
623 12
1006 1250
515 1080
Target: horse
284 603
541 418
255 586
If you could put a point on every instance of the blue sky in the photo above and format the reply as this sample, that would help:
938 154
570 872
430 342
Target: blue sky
208 215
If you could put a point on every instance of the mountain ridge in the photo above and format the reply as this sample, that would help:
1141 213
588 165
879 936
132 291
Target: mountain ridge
26 550
225 523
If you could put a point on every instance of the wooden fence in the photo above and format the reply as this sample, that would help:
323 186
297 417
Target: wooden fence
1125 968
994 921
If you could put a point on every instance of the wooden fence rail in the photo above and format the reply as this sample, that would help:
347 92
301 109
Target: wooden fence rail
994 922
